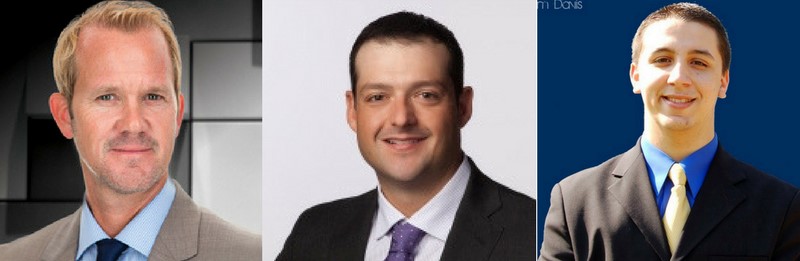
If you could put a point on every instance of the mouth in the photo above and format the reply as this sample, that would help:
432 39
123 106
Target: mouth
131 150
678 101
404 143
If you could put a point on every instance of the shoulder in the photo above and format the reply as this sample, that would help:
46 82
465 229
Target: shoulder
318 227
480 185
31 247
510 198
759 183
218 236
593 176
337 211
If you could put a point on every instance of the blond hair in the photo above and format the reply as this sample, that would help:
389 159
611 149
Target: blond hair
128 16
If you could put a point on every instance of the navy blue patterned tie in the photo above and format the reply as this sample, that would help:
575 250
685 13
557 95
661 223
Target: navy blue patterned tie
109 249
405 238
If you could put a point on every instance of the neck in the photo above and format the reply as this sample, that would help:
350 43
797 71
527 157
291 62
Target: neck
409 197
112 210
678 144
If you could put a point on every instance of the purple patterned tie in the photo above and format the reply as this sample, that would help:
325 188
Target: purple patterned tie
405 238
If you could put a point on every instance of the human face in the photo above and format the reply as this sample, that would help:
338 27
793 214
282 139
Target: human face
125 112
404 112
679 75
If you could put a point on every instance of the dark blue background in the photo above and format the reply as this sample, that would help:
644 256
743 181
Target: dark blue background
588 113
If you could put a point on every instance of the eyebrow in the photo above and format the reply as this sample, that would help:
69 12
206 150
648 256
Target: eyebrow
696 51
114 89
417 84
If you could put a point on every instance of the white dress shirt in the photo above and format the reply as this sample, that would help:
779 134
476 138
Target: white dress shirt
435 218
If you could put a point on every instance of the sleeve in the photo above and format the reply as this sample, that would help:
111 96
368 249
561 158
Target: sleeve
556 244
788 245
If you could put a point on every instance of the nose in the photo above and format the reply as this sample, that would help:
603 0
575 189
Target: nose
132 120
402 113
679 75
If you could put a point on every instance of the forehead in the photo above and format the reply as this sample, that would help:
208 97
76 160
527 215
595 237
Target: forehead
679 35
107 53
378 58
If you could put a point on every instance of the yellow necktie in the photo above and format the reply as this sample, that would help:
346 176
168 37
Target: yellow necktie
677 207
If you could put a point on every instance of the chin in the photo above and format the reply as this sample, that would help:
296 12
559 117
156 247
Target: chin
401 175
674 122
129 182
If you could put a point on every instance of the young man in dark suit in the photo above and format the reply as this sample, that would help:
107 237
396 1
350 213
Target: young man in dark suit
407 104
677 194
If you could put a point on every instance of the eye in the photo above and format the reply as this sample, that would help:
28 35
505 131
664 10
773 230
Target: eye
154 97
376 97
662 60
105 97
429 95
699 63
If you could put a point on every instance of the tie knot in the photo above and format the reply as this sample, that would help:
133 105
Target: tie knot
109 249
405 238
677 174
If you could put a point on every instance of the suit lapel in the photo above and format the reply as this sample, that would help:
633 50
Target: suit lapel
350 241
179 234
632 191
715 200
64 244
473 235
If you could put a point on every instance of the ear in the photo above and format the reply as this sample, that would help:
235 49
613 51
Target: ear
351 111
723 88
59 107
465 106
634 75
179 119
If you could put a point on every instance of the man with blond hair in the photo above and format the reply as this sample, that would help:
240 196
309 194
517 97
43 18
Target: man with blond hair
117 68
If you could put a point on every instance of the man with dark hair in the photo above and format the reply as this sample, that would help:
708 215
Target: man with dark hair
407 106
677 194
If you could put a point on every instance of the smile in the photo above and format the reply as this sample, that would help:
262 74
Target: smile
679 100
405 144
131 149
403 141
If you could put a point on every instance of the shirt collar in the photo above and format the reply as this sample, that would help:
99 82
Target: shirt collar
696 165
435 217
139 234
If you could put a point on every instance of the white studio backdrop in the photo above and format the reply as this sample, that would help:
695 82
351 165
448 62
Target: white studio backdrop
310 155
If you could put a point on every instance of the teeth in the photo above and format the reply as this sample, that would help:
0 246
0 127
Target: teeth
403 141
676 100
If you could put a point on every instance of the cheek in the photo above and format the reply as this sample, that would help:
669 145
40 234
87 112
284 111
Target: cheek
439 120
369 122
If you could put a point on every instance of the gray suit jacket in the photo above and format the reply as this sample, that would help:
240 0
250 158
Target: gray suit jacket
189 232
608 212
492 222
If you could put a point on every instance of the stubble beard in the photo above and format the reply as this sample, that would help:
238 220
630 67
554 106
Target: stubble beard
129 179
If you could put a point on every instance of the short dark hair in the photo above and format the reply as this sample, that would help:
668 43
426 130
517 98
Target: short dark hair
689 12
406 25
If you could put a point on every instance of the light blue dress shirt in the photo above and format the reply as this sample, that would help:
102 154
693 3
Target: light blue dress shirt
695 165
140 234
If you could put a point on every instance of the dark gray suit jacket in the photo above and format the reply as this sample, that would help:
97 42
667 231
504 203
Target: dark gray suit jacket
492 223
608 212
189 232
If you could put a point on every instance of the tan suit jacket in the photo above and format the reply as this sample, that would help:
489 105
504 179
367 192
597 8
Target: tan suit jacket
189 232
